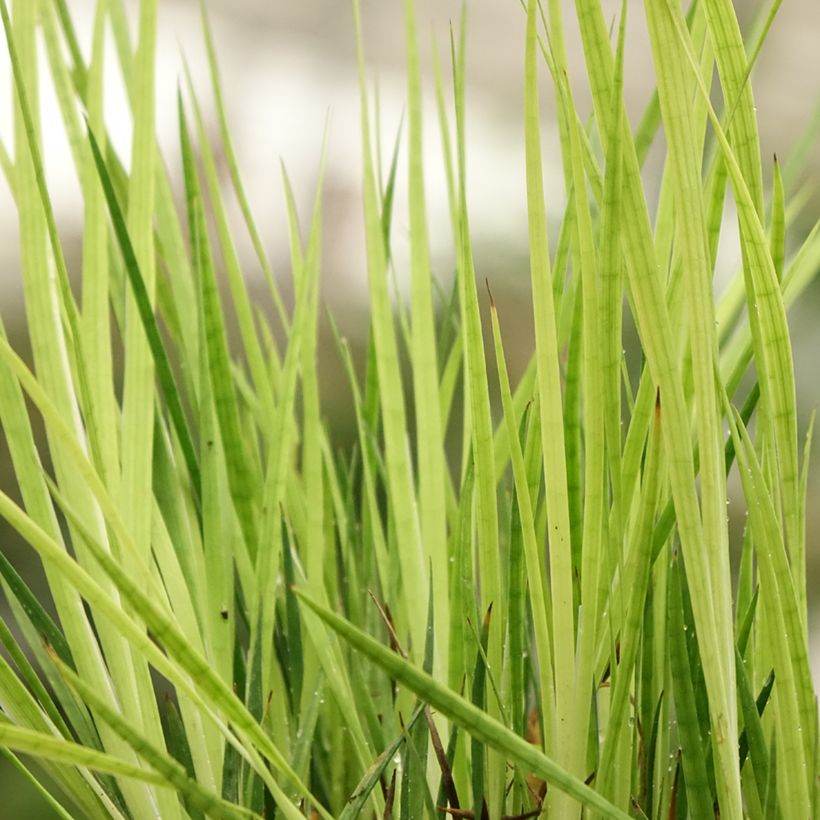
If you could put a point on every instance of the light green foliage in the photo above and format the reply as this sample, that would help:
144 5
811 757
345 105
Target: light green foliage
553 617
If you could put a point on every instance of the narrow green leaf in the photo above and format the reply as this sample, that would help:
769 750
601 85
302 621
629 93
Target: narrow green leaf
698 793
241 479
778 226
171 771
358 800
550 404
146 315
535 570
473 720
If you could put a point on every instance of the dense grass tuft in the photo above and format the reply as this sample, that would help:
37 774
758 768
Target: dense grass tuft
555 616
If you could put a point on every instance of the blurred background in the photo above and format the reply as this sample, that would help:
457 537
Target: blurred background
288 70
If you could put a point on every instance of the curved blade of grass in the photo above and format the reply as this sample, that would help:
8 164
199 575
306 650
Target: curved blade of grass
170 770
27 674
20 707
467 716
58 750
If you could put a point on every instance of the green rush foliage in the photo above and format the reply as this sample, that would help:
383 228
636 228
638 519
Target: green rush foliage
502 598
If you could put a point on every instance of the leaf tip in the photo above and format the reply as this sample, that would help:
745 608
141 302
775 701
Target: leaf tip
490 293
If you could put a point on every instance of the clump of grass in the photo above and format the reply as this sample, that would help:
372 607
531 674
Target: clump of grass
553 620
